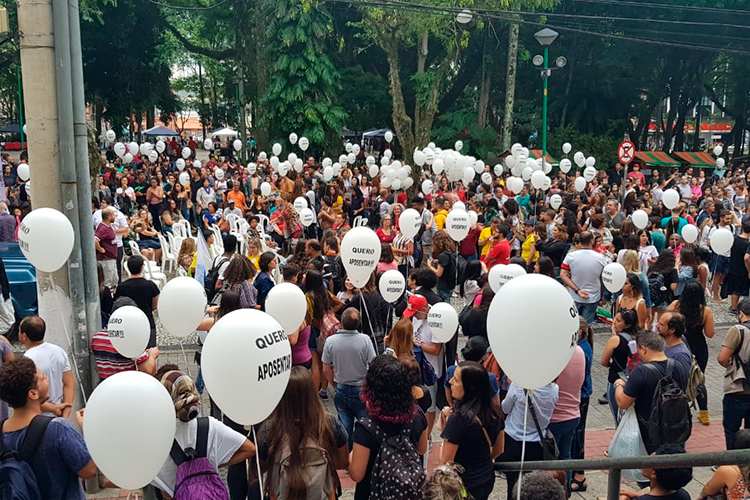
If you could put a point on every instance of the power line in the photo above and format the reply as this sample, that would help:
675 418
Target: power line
668 6
180 7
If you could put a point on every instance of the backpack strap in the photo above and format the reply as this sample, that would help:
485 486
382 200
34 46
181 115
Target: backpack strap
178 454
533 416
201 443
33 439
486 436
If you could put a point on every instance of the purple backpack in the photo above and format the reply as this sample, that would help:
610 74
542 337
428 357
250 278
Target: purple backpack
197 478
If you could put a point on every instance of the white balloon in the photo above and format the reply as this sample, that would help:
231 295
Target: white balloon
566 148
237 144
547 183
720 163
721 240
197 164
589 173
186 152
26 132
133 148
251 168
718 150
427 186
219 174
535 164
429 156
160 146
565 165
374 170
327 162
437 166
443 321
388 153
303 143
265 189
262 156
526 173
409 222
27 187
41 228
328 174
133 413
274 161
153 156
640 219
356 149
579 158
407 183
509 272
127 159
306 216
478 166
129 330
276 149
208 144
120 149
469 175
495 275
614 276
396 184
109 135
671 198
516 149
459 205
459 145
284 168
690 233
515 184
299 203
590 161
385 181
180 164
498 170
145 148
23 171
184 178
555 201
547 167
351 158
580 184
431 145
538 178
246 352
487 178
181 307
392 285
388 136
403 172
517 344
286 302
360 254
292 139
525 151
291 158
510 161
418 158
299 165
457 224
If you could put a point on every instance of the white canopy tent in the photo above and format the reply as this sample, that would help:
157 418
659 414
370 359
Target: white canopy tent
224 132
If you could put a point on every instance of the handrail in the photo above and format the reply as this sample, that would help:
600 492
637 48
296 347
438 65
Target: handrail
616 465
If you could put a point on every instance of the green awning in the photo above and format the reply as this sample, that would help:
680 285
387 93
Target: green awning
537 154
656 159
699 159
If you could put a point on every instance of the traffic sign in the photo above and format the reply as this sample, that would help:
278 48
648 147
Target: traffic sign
626 152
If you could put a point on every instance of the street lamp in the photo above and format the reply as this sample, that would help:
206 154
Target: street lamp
545 38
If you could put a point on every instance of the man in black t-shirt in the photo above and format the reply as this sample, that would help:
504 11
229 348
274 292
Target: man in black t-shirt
641 384
738 280
144 292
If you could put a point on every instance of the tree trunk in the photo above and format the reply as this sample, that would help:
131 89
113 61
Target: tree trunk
262 73
150 118
401 120
202 97
566 98
484 93
510 85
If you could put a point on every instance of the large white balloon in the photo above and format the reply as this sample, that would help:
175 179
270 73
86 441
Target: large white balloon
181 307
565 165
640 219
498 170
40 229
299 203
566 148
287 304
418 157
555 201
146 148
614 276
457 224
129 330
186 152
721 240
494 276
443 321
23 171
153 156
690 233
580 184
388 136
276 149
589 173
392 285
208 144
409 222
247 352
120 149
671 198
160 147
303 143
517 344
507 273
237 144
133 148
438 165
360 254
184 178
127 159
110 135
538 178
180 164
306 216
427 186
265 189
133 413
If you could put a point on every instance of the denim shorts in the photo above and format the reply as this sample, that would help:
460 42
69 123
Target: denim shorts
722 264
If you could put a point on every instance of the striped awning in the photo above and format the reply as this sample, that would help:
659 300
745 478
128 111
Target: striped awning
656 159
698 159
537 154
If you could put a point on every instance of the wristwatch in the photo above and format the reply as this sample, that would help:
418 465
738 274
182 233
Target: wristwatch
618 383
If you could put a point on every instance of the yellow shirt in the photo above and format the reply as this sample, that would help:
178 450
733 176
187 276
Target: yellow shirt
485 234
338 205
440 219
526 248
254 261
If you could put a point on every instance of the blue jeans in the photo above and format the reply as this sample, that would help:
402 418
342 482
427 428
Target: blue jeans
471 257
445 295
736 408
588 311
349 407
613 404
564 433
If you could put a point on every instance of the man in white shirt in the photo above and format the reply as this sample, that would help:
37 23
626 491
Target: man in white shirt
120 226
53 361
580 272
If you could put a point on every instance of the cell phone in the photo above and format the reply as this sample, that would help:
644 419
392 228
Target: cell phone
390 351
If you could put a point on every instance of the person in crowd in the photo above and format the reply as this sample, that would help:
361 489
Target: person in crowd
738 275
540 485
387 260
238 276
376 313
671 327
61 459
144 292
386 231
345 358
443 264
662 281
469 288
499 252
186 258
476 349
734 354
585 342
264 282
556 247
580 272
7 224
729 481
664 484
105 241
721 261
632 298
474 322
148 240
617 352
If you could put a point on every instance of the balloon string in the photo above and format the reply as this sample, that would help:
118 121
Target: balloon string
67 339
523 443
184 357
363 305
257 460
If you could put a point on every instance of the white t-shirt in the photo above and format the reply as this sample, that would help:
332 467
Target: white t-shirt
642 259
650 253
585 266
223 443
423 334
53 361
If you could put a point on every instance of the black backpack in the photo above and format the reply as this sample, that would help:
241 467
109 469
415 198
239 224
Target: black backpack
334 267
397 472
17 478
745 365
658 289
669 421
212 277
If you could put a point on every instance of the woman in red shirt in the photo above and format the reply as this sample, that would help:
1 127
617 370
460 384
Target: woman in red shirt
385 232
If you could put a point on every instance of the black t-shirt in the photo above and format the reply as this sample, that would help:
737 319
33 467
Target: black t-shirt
142 291
473 452
365 438
448 279
475 324
737 256
680 494
140 189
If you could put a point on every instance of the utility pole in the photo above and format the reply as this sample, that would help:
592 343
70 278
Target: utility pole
243 119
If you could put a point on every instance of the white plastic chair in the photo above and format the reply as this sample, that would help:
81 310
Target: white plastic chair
157 277
179 230
136 250
264 221
168 257
186 227
360 221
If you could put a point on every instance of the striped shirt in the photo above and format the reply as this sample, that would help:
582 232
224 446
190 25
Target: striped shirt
108 360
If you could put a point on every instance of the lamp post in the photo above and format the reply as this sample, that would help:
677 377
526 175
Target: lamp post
545 38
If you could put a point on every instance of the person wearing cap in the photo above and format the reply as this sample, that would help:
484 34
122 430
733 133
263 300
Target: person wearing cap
426 280
417 309
233 210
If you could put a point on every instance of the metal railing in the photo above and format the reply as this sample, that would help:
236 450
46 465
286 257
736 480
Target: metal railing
616 465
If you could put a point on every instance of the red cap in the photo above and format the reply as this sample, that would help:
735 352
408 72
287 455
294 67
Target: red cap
416 302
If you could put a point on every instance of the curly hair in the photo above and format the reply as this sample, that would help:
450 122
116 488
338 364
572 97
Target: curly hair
442 242
445 483
239 269
539 485
17 378
387 391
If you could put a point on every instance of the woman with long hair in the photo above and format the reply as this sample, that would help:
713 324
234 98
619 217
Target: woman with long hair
469 288
664 273
387 261
401 338
699 325
646 251
473 434
264 282
474 323
729 482
375 311
238 277
298 435
392 409
545 266
687 269
443 263
186 257
403 251
617 351
556 247
632 298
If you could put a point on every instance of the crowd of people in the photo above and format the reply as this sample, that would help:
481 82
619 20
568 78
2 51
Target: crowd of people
392 381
